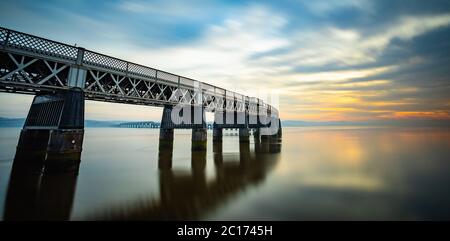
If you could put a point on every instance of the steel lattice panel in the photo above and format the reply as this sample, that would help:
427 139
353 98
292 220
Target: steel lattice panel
31 64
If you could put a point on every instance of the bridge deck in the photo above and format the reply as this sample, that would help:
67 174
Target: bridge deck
31 64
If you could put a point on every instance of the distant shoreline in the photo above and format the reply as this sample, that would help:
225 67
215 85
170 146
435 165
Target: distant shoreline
19 122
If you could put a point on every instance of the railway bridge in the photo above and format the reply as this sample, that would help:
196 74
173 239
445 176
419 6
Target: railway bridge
62 77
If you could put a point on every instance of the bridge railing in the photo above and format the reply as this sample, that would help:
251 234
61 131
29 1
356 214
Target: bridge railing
41 46
37 45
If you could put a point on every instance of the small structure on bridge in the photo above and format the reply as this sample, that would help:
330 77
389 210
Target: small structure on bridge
149 124
140 124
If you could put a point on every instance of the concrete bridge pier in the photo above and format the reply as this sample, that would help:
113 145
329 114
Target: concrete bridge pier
165 153
199 138
166 129
271 142
166 137
276 127
219 118
217 134
244 135
53 131
256 135
194 120
279 134
265 138
199 129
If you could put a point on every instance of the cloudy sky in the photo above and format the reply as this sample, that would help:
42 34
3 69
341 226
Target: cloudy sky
329 60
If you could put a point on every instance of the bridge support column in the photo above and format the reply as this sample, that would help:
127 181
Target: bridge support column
244 135
199 130
165 137
165 153
275 138
256 135
217 147
53 131
265 138
199 137
217 134
280 131
278 135
219 117
166 129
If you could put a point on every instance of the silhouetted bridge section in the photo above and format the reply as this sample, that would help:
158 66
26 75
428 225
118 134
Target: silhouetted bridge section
62 76
150 124
140 124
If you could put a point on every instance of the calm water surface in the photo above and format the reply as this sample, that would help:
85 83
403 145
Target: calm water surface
316 174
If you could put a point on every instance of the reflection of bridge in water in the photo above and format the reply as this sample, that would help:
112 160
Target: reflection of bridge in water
34 195
190 196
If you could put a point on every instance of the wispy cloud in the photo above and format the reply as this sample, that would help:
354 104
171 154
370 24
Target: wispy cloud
340 46
221 55
324 7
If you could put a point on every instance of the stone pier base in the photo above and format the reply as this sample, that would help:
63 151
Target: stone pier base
217 135
53 131
256 135
165 152
244 135
58 149
199 138
165 138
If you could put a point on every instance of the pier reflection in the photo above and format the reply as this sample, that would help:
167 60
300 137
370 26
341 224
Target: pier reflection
191 195
37 192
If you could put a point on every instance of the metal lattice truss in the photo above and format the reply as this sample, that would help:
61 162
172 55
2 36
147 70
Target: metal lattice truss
16 69
30 64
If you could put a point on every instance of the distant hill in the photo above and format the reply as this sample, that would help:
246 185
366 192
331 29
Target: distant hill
295 123
412 123
96 123
18 122
11 122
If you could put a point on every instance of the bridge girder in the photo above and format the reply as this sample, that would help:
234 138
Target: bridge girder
31 65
